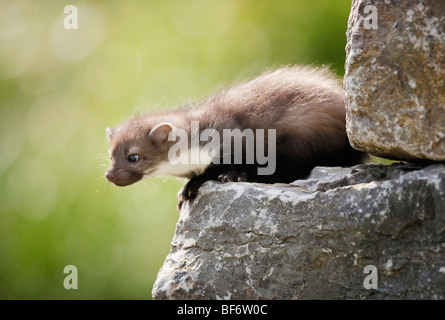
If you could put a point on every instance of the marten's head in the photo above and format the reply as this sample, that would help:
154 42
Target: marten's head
136 151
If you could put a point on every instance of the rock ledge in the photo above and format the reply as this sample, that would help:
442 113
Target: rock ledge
312 239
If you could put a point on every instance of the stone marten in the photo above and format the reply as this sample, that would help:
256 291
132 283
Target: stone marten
285 121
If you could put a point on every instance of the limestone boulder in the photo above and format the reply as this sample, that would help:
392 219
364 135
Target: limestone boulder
313 239
395 78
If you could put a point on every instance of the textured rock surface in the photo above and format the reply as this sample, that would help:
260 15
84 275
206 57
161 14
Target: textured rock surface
313 239
395 79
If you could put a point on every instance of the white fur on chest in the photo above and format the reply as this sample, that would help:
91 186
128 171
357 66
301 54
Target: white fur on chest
185 165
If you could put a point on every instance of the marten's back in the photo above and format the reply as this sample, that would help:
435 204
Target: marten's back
278 97
305 105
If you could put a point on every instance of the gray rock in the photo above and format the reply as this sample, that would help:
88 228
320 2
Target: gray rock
395 79
313 239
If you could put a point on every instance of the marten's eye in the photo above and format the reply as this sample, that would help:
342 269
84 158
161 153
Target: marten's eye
133 158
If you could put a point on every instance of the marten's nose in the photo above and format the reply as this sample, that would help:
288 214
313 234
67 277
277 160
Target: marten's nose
110 176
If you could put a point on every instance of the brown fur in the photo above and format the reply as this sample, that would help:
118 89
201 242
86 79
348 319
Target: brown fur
305 105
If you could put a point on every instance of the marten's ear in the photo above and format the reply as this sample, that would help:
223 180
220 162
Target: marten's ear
160 132
110 133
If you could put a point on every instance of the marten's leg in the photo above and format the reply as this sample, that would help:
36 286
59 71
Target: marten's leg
213 172
223 173
286 171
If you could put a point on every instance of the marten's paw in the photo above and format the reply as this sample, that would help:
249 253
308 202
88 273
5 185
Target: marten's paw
233 176
181 200
189 191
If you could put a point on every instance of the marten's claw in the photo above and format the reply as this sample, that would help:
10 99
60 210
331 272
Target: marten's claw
179 205
188 192
232 176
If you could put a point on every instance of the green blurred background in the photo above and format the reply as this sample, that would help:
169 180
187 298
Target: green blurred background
60 89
